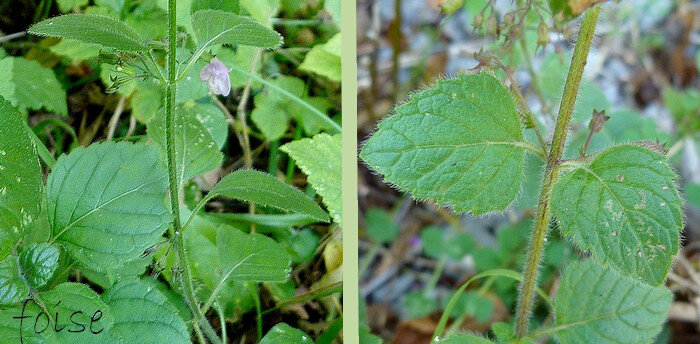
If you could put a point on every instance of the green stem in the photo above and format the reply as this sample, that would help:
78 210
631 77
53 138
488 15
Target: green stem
537 241
436 275
44 153
176 229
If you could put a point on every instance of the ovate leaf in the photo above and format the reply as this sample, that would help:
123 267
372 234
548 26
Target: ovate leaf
283 334
381 227
324 174
106 202
623 206
594 304
142 314
21 181
195 150
38 263
219 27
93 29
264 189
252 257
459 143
41 90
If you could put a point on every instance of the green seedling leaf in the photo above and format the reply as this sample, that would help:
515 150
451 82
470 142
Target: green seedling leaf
683 106
252 257
219 27
38 263
40 91
92 29
624 311
20 172
381 227
106 202
623 206
459 143
195 150
283 334
438 243
157 319
418 305
264 189
692 194
323 174
324 59
75 315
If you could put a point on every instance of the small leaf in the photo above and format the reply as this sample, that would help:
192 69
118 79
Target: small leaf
623 206
20 171
381 227
459 143
324 174
40 91
195 150
594 304
269 118
13 289
264 189
252 257
418 305
324 59
38 263
93 29
142 314
219 27
106 202
283 334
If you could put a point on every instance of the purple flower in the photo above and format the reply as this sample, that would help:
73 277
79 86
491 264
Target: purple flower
216 75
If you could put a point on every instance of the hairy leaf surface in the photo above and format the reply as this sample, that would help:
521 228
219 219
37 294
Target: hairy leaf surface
219 27
595 304
142 314
21 181
320 159
93 29
106 202
459 143
264 189
252 257
623 206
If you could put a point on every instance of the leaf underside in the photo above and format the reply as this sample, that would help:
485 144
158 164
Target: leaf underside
92 29
623 206
106 202
595 304
459 143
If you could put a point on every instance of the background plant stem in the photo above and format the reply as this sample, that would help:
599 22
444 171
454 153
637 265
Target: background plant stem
537 241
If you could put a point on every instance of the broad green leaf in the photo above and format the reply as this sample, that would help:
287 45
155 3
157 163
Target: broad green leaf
106 202
459 143
269 118
324 59
323 174
76 315
13 289
264 189
284 334
148 20
75 51
66 6
92 29
21 180
265 220
381 227
195 150
438 243
219 27
38 263
146 100
41 90
142 314
465 338
594 304
211 117
252 257
623 206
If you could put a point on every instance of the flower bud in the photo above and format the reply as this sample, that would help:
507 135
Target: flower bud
492 25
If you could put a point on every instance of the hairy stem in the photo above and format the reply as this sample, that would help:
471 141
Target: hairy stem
176 231
537 241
